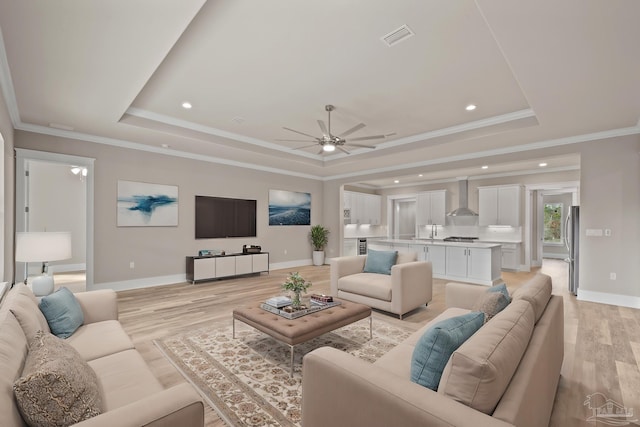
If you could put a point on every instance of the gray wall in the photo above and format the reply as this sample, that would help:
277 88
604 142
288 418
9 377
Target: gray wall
610 198
6 129
161 251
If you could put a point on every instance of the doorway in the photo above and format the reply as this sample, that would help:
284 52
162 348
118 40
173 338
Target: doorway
404 218
537 197
54 192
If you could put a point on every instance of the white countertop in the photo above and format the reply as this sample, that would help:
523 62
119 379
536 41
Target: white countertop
437 242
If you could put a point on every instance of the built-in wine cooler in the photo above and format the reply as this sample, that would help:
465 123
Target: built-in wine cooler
362 246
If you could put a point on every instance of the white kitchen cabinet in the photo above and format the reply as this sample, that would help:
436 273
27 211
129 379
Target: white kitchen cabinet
511 256
438 257
431 208
362 208
456 263
478 263
473 264
499 205
349 247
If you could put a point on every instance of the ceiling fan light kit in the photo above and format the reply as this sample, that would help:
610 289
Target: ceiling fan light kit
329 142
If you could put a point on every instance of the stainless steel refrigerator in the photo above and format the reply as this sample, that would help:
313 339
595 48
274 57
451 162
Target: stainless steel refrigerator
572 241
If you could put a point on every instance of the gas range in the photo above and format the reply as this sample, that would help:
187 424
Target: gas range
460 239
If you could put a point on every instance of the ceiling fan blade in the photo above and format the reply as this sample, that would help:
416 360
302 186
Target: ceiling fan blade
361 146
352 130
363 138
323 128
305 146
342 149
293 140
301 133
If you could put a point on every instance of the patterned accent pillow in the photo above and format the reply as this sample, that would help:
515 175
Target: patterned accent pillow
57 387
491 304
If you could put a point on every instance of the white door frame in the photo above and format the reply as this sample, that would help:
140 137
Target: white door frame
560 187
22 156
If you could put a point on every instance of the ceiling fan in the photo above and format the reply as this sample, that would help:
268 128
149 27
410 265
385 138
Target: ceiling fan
328 141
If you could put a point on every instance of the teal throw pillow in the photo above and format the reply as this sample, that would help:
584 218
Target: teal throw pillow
380 261
502 288
63 312
437 344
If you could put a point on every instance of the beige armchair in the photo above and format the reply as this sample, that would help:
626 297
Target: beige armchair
408 287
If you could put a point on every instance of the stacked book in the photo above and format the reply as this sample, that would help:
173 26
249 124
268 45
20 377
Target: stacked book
278 302
319 299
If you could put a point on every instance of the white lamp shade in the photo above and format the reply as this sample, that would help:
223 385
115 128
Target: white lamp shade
43 246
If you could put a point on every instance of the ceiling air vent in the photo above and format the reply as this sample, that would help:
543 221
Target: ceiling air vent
397 35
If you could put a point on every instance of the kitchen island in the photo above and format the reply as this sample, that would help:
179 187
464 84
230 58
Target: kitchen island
478 263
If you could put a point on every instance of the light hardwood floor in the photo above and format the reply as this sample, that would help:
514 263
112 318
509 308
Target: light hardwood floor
602 342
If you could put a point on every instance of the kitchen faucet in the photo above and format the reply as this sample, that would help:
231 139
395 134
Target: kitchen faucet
434 231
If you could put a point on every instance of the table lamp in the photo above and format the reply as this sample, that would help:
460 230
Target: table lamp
42 247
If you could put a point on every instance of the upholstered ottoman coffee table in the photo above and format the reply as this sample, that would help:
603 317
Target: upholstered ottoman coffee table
305 328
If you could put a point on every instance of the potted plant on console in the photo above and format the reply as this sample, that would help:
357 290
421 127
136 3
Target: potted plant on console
296 284
319 237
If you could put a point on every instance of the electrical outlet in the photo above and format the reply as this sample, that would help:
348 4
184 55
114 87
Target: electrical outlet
132 265
612 276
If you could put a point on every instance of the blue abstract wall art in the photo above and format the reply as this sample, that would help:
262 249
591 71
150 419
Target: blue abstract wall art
141 204
289 208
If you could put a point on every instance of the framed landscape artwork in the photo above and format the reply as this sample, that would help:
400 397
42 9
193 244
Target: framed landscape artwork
141 204
289 208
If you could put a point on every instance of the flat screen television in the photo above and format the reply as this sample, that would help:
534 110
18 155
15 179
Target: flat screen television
221 217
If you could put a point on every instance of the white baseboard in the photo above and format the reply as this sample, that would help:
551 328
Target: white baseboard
554 256
146 282
65 268
607 298
290 264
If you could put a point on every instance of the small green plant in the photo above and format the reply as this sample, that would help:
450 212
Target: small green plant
296 284
319 237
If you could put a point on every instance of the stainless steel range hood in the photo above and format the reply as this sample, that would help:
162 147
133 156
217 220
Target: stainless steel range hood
463 202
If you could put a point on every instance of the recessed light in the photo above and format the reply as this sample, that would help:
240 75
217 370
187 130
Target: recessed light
470 107
542 165
485 167
420 175
186 105
395 181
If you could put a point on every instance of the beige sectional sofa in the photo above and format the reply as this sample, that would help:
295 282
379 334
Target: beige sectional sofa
408 287
505 374
130 394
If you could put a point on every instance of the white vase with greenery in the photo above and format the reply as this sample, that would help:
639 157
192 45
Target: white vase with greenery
319 237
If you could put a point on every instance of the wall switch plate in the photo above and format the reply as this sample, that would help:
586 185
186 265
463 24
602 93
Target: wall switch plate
132 265
594 232
607 232
612 276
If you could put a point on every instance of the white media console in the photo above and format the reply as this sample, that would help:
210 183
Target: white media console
202 268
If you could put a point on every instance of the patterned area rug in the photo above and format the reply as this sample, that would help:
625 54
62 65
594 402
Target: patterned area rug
247 381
